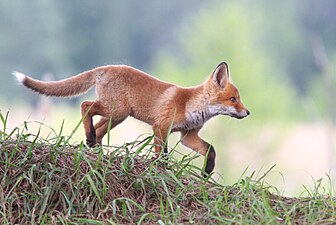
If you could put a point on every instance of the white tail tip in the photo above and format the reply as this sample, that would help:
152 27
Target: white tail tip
19 76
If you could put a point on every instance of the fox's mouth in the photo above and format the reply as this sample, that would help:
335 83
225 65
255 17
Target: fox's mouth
239 116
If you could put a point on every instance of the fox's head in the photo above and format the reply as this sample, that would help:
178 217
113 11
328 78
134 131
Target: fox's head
224 97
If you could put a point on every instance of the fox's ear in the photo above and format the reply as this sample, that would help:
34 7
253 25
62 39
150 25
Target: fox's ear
221 75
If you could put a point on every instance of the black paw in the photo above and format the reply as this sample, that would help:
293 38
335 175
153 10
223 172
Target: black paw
91 138
165 156
90 143
165 150
210 162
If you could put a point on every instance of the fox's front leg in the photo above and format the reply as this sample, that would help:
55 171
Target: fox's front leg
160 140
193 141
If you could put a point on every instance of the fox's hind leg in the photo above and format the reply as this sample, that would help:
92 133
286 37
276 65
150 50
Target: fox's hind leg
102 127
88 110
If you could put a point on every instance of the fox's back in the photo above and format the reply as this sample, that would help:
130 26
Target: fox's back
135 89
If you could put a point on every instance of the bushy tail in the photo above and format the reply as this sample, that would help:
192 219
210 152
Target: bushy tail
72 86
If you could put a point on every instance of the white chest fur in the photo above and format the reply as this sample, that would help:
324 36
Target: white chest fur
195 119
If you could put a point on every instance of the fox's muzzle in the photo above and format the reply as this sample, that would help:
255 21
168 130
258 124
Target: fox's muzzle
242 114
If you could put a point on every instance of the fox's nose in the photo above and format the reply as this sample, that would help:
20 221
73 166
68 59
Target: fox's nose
248 112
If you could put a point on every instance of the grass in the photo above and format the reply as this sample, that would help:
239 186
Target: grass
49 181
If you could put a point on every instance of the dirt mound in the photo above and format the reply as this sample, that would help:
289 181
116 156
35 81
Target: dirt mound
48 184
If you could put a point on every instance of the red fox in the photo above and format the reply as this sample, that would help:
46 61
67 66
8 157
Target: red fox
124 91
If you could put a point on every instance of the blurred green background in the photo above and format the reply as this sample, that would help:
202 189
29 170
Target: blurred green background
282 57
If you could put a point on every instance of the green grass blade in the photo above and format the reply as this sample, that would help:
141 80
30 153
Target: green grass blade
94 188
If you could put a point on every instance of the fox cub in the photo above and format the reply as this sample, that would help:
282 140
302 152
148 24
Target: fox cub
124 91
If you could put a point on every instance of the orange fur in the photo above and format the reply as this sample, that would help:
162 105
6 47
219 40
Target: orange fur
124 91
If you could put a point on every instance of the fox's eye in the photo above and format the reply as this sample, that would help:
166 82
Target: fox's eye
233 99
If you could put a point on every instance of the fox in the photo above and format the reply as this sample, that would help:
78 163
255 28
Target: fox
123 91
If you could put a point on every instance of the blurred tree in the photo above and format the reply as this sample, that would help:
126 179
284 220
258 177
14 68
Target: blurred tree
30 40
291 27
31 35
234 33
67 37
